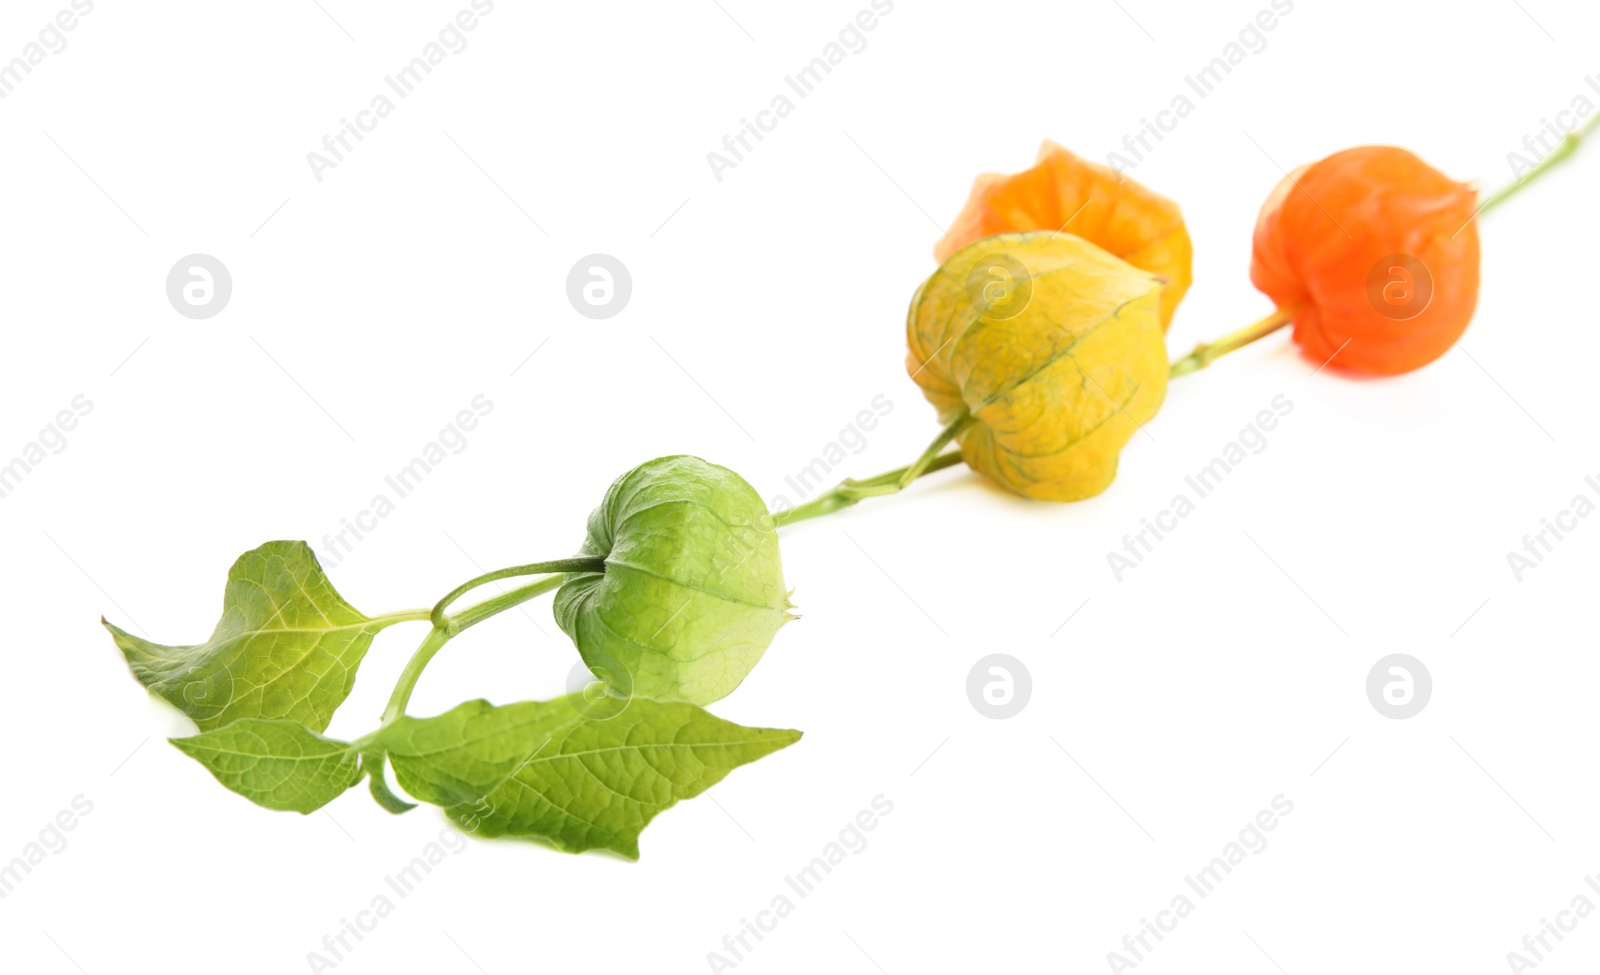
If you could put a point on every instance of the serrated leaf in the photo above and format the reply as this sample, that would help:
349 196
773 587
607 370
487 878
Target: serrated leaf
577 781
287 646
274 763
465 753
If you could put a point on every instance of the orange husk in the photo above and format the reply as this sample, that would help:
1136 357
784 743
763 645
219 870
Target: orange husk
1064 192
1331 243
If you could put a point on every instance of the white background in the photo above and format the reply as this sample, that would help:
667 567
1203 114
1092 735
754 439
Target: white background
768 310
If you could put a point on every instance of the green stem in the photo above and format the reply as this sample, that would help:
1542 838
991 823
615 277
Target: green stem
532 569
471 616
951 431
1565 150
850 490
1207 352
404 616
431 644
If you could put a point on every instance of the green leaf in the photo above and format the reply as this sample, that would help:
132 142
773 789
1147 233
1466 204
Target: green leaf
465 753
287 646
692 592
556 771
277 764
379 787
